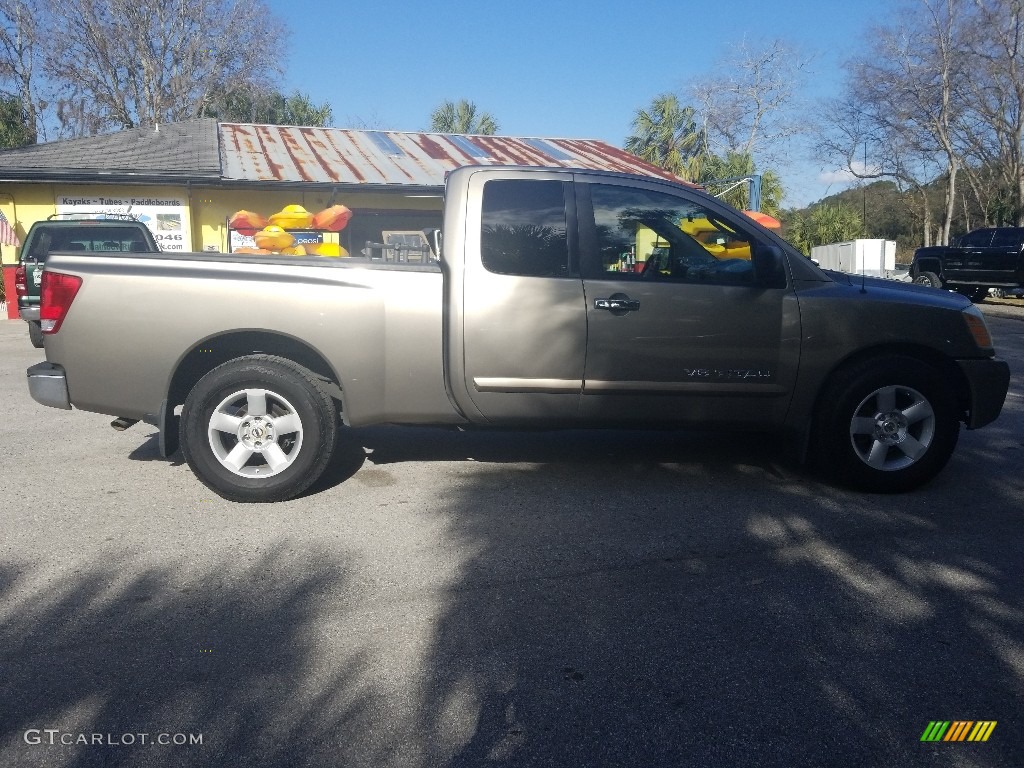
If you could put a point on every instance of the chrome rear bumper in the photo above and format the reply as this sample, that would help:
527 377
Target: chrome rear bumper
48 385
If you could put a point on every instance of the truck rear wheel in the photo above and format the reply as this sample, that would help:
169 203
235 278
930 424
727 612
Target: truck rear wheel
35 334
887 425
975 294
258 429
928 278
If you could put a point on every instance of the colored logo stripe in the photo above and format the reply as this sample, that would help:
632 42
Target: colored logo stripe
958 730
982 730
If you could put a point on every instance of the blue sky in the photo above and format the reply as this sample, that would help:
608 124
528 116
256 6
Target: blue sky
555 69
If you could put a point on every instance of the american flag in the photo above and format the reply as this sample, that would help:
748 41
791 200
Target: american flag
7 233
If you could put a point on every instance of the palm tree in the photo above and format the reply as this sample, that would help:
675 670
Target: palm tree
834 224
737 165
821 225
270 107
462 117
667 135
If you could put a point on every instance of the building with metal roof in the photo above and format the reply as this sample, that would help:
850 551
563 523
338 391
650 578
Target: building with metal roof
274 153
186 179
206 152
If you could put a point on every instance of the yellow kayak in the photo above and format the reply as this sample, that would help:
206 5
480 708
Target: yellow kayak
292 217
273 238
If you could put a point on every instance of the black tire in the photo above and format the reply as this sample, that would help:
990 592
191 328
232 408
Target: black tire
914 431
977 295
242 454
928 278
35 334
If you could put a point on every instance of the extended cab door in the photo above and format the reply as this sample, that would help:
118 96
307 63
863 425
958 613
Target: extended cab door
685 326
523 317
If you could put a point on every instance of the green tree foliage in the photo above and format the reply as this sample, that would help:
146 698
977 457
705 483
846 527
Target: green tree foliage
272 108
14 129
667 135
890 213
462 117
822 224
739 167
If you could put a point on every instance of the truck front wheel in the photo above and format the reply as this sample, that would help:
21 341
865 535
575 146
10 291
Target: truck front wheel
258 429
928 278
886 426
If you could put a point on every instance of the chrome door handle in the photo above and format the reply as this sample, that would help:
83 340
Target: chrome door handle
617 304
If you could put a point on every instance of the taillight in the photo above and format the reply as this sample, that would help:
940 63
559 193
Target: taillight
20 281
55 297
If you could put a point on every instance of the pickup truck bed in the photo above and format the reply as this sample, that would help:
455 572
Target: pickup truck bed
383 320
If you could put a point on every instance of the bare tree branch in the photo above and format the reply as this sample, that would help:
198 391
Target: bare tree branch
749 106
126 63
19 32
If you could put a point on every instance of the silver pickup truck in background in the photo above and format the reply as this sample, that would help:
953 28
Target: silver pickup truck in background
559 298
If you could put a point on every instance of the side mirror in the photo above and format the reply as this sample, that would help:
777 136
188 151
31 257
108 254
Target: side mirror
769 266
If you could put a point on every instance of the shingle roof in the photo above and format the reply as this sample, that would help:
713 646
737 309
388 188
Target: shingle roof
235 153
185 150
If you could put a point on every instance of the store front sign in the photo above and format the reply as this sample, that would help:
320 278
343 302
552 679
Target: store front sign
166 216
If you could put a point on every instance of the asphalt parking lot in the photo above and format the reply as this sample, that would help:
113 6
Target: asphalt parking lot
522 599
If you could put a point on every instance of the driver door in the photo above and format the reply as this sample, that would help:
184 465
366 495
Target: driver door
681 330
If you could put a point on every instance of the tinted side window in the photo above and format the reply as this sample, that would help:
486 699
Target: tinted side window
647 235
979 239
1011 237
523 230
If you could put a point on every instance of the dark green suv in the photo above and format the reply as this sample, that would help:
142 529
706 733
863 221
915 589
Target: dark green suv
121 234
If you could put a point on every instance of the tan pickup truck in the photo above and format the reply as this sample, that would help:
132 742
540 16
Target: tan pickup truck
558 298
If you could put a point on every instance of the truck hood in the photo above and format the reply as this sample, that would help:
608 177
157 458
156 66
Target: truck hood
922 294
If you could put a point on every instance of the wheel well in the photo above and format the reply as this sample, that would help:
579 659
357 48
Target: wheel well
946 367
210 353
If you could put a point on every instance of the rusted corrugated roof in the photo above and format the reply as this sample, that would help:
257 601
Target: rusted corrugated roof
269 153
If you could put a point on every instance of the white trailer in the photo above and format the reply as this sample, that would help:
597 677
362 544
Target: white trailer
876 258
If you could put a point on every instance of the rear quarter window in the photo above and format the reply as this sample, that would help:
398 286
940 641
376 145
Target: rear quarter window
524 228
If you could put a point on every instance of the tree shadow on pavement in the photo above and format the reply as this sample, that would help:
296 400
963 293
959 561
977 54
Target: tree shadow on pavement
226 654
588 600
662 618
